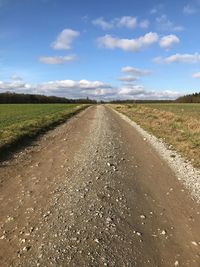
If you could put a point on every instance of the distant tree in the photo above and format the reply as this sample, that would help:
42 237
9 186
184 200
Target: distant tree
192 98
13 98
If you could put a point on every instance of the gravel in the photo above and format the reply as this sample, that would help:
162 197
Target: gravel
183 169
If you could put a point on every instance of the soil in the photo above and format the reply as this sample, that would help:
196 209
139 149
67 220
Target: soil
94 192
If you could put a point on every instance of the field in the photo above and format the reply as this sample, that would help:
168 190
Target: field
177 124
22 120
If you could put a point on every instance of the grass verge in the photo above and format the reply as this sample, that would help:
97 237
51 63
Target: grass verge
178 125
19 123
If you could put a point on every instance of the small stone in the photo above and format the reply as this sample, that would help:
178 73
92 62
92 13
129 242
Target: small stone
27 248
97 240
9 219
176 263
108 220
164 232
46 214
138 233
142 216
194 243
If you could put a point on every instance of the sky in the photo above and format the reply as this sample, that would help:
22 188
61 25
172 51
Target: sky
108 49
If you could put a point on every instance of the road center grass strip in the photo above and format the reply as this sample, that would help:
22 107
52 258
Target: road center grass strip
178 125
19 121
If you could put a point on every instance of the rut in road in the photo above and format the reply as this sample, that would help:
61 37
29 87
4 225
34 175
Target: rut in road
113 202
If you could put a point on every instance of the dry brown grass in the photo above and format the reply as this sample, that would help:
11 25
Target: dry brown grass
181 131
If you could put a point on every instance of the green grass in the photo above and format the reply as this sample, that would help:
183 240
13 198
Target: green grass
25 120
177 124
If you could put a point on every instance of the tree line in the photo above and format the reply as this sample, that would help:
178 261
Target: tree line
14 98
192 98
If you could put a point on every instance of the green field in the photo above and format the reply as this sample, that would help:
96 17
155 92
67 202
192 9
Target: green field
22 120
177 124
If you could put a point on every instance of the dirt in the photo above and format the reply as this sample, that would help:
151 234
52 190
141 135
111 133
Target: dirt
93 192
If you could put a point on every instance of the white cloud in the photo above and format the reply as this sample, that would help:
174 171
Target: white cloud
128 79
65 39
76 89
180 58
101 22
140 92
137 44
132 90
168 41
196 75
127 21
189 9
85 88
57 59
135 71
14 86
165 24
144 24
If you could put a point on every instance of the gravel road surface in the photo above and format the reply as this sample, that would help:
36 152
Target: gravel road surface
94 192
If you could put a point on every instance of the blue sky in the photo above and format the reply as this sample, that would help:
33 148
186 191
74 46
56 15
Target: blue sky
101 49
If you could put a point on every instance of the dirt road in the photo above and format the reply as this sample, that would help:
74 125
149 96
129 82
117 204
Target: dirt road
93 192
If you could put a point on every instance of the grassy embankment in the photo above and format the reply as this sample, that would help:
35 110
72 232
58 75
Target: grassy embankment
177 124
19 121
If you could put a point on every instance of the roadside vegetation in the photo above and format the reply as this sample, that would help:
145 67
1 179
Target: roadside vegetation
177 124
18 121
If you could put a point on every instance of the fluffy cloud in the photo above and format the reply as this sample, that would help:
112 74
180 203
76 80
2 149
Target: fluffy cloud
101 22
180 58
168 41
135 72
196 75
139 92
137 44
66 88
122 22
18 86
57 59
65 39
76 89
127 21
84 88
165 24
131 89
71 84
